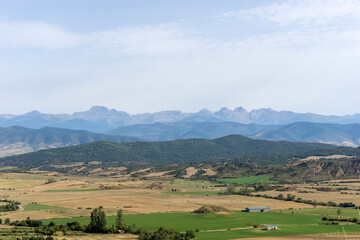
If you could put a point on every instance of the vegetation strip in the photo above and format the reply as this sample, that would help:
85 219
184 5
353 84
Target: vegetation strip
74 190
247 180
200 193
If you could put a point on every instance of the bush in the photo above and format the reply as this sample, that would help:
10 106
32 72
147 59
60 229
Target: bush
210 209
347 204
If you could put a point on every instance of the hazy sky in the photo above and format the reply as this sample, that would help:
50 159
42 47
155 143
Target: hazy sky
145 56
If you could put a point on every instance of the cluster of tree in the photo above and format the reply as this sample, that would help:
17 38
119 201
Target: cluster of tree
347 205
231 190
9 207
342 219
262 187
289 197
247 190
52 228
27 223
98 225
163 233
98 222
49 229
35 238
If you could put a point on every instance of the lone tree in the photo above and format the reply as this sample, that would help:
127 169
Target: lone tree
98 221
120 221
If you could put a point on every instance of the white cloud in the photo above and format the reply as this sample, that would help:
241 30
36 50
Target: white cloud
143 40
330 40
302 12
39 35
149 40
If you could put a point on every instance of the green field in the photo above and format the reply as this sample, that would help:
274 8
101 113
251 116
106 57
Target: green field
284 230
248 180
199 193
37 207
186 220
74 190
229 226
345 212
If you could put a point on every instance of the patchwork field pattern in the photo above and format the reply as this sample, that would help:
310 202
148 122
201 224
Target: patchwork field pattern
170 204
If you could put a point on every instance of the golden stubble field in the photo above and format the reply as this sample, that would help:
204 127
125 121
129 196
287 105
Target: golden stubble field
309 192
76 196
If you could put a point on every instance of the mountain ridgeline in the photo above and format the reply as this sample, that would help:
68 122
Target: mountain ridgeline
187 130
337 134
53 137
191 151
102 119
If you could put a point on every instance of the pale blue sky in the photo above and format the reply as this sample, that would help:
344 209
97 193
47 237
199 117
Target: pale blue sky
146 56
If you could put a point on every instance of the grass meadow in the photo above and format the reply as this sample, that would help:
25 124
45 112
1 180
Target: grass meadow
247 180
38 207
231 225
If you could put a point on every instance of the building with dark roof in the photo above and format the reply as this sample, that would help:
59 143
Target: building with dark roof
257 209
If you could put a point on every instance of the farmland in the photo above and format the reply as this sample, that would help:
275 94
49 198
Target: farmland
248 180
164 201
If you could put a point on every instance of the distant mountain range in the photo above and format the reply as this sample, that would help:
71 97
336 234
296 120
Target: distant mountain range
233 147
102 119
337 134
15 140
187 130
59 130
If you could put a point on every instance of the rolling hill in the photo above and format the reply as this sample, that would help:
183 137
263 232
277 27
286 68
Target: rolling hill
17 139
230 147
337 134
187 130
347 134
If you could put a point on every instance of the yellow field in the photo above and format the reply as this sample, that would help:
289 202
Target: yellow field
76 196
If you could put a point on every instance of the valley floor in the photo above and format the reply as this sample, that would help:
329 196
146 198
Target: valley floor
161 201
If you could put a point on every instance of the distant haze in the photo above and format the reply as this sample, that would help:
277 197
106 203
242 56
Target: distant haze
102 119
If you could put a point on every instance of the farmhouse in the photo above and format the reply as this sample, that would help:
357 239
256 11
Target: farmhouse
257 209
270 227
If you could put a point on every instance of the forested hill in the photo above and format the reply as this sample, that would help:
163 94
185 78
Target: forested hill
180 151
53 137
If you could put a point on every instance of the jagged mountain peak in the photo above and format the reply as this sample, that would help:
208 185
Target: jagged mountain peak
33 113
101 119
205 111
239 109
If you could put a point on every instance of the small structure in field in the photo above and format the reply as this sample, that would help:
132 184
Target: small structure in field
271 227
257 209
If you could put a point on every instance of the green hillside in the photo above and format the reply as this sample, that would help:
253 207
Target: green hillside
347 134
187 130
46 137
180 151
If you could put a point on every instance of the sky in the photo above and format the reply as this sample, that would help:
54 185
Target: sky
146 56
